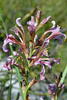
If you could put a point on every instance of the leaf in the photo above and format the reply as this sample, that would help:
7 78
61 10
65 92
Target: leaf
18 74
64 75
19 80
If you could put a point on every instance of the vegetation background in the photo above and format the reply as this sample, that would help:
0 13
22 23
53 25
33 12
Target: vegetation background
9 11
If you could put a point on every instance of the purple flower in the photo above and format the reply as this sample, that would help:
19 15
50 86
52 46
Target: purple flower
52 89
6 41
10 61
11 39
49 62
19 24
55 33
45 63
32 25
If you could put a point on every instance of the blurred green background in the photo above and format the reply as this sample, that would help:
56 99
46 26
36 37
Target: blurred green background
11 9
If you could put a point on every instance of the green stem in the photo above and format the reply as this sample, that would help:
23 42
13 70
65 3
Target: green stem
38 94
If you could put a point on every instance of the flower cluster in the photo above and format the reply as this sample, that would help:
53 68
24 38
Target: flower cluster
35 49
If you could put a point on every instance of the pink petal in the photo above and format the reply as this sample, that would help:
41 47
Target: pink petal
19 24
45 20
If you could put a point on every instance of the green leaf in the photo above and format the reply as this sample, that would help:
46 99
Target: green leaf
18 74
19 80
64 75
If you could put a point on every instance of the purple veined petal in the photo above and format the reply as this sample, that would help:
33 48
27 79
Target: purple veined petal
54 29
37 62
31 29
10 61
6 41
7 66
9 39
41 62
57 61
51 62
4 46
45 20
47 63
32 24
42 73
60 38
19 24
56 33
